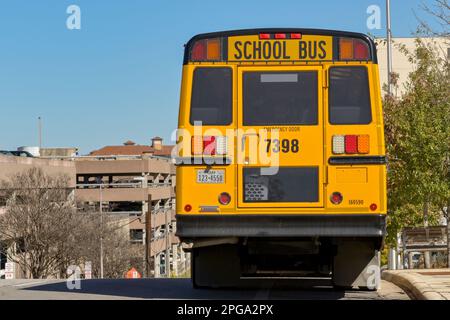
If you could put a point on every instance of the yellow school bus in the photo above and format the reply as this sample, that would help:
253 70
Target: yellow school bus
281 165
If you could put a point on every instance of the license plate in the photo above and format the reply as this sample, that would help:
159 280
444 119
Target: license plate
211 176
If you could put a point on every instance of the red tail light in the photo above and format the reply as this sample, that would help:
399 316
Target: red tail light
199 51
209 146
351 144
373 207
280 36
361 50
266 36
336 198
188 208
224 198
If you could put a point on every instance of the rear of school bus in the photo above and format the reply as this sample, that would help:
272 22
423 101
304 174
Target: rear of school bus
281 170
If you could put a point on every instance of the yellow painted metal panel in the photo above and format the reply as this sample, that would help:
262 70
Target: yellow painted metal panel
351 175
358 193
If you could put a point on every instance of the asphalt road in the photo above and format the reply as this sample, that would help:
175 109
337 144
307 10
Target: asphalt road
182 289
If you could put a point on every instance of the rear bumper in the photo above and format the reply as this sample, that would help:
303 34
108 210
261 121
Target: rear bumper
261 226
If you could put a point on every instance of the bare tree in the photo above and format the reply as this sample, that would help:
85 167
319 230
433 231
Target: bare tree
45 233
440 11
39 222
118 252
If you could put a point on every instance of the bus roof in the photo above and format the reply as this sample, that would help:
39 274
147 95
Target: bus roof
303 31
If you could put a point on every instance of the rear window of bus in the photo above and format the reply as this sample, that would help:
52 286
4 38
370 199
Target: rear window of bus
349 97
280 98
212 96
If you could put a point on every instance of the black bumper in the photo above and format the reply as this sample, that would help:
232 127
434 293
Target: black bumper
261 226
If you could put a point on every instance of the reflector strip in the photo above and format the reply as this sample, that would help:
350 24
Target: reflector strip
338 144
357 160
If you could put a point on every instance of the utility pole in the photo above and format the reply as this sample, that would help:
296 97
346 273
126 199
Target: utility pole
389 45
101 232
148 237
40 132
392 258
167 245
426 254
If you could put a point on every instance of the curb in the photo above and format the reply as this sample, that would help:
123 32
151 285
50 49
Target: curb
413 283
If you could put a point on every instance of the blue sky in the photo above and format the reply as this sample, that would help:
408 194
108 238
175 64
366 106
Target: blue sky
118 78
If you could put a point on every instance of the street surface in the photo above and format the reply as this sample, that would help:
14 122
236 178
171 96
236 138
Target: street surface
438 280
181 289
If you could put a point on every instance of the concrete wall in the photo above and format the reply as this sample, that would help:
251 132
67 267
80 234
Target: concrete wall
10 166
58 152
124 194
86 166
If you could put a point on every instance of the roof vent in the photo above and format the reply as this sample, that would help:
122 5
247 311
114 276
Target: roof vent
129 143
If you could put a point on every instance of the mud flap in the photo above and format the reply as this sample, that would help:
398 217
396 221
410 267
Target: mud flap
357 264
216 267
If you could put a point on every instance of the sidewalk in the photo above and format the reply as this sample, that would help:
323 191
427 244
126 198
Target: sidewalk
421 284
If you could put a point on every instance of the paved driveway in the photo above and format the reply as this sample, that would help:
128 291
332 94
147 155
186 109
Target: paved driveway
182 289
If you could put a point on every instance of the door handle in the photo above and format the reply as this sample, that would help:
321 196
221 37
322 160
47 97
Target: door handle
244 139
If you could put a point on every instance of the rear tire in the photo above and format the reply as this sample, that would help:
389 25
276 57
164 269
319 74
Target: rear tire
215 267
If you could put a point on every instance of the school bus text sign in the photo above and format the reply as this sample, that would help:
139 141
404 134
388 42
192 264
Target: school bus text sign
308 48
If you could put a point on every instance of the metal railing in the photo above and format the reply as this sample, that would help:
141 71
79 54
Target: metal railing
127 213
108 185
122 185
108 157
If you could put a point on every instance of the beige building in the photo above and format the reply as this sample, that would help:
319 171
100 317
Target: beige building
400 63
